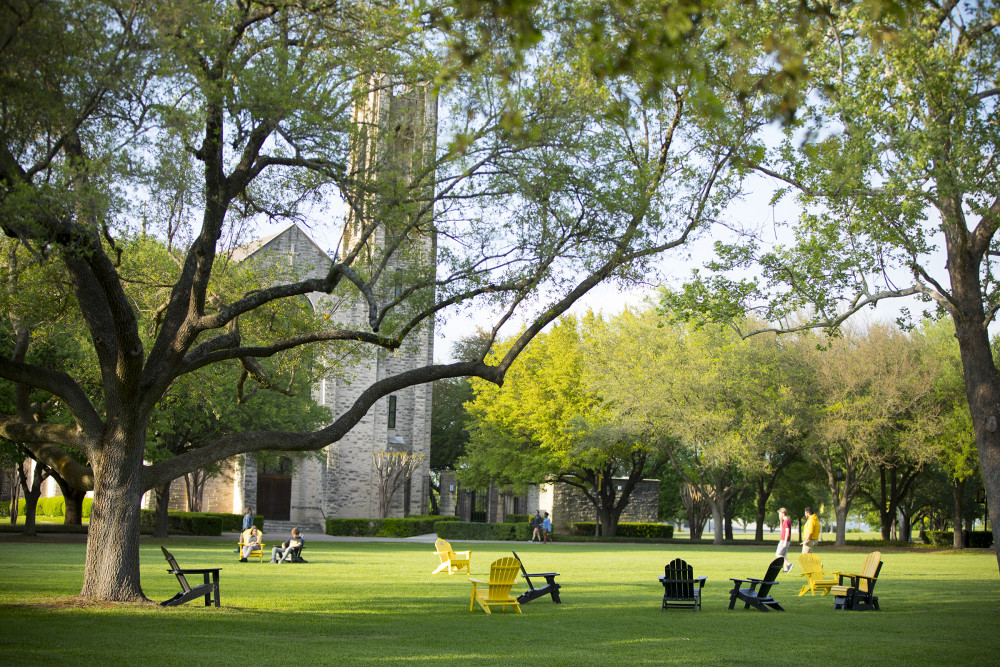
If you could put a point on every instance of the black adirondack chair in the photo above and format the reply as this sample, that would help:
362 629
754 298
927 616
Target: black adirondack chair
209 590
758 595
680 588
550 587
859 594
295 555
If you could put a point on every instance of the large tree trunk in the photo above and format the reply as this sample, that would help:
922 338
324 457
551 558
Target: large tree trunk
73 498
761 509
966 253
718 502
32 492
162 495
957 491
840 511
112 564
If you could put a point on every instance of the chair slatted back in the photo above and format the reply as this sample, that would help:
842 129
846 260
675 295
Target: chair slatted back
678 579
443 548
770 576
503 572
176 570
873 563
811 564
524 573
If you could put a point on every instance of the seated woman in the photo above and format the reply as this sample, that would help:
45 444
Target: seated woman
284 552
252 542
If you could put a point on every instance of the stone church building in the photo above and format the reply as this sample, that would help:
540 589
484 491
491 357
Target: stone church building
343 482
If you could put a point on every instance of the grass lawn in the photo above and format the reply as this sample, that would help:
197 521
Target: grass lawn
378 603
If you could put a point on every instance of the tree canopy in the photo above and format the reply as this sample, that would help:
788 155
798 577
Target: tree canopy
194 121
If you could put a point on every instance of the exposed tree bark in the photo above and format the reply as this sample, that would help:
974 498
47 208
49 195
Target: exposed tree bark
162 495
32 490
894 482
73 499
765 485
957 491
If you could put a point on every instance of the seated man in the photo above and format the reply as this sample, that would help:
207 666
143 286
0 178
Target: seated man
284 552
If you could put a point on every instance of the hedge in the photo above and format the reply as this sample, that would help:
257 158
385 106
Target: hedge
54 506
636 530
475 530
392 527
195 523
978 539
518 518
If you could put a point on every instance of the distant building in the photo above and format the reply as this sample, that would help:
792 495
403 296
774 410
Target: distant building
396 137
564 503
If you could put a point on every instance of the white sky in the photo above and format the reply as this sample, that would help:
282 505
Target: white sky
673 268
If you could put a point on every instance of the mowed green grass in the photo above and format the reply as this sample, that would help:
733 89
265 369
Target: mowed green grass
377 602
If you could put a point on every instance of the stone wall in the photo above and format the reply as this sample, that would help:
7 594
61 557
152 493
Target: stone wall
570 505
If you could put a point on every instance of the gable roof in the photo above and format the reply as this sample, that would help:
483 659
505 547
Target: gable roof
248 250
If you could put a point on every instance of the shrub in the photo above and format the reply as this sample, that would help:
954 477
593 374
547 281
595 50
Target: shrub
54 506
192 523
406 527
353 527
475 530
978 539
5 508
981 539
636 530
518 518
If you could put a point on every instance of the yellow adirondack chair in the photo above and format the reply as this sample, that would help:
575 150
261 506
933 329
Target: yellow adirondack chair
451 560
816 578
859 594
496 591
258 549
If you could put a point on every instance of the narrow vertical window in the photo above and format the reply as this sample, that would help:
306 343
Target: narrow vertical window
398 288
392 412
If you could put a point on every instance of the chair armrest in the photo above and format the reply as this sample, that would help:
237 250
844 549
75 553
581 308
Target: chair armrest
478 581
202 570
541 574
464 554
761 581
699 580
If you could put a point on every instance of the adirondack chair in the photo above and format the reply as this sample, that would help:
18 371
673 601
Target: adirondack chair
451 560
859 594
550 587
758 595
680 589
816 578
209 590
496 591
293 555
258 550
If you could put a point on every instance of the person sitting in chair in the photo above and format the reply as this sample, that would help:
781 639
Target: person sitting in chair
253 541
284 552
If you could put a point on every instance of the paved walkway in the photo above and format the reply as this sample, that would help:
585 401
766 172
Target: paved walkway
316 536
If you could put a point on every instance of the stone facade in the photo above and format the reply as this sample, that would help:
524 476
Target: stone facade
573 505
564 503
343 482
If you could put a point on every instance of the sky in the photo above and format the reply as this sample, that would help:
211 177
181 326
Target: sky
672 269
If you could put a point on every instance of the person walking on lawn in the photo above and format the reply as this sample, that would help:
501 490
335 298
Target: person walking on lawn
810 532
